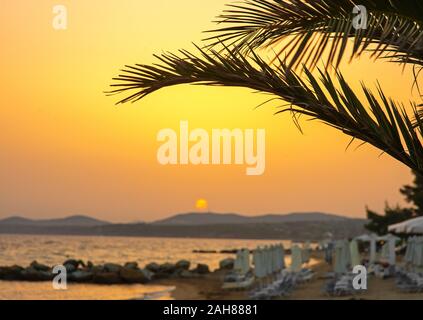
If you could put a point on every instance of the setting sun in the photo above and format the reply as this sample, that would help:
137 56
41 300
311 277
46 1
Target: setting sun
201 204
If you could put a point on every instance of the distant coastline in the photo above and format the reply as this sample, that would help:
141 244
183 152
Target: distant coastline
297 227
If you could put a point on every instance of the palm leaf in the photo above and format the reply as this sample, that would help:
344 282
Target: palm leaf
378 120
316 28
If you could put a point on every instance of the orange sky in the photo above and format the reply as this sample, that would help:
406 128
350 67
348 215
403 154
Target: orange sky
67 149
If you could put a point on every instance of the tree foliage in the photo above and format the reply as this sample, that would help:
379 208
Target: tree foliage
314 28
414 196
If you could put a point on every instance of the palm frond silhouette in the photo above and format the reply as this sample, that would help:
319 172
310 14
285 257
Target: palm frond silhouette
314 28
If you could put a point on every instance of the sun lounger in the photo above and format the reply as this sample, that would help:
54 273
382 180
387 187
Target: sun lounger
409 282
238 281
340 286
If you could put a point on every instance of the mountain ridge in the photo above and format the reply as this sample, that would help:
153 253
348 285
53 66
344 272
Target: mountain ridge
184 219
211 218
74 220
295 227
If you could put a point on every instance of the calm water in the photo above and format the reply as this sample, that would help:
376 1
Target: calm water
51 250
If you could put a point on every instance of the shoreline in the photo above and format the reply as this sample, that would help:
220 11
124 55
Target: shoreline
207 237
209 287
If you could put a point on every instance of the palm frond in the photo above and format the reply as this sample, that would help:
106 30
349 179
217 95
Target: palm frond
378 120
319 27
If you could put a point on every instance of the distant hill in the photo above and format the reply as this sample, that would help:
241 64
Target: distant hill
190 219
75 221
299 226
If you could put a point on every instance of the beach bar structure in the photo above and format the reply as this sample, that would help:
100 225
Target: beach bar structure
388 253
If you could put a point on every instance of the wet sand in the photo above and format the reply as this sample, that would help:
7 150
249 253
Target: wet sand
208 287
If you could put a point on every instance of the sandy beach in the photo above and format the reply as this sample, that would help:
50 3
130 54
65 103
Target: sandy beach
209 287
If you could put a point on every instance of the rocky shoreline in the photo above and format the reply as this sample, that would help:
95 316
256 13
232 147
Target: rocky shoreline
78 271
230 251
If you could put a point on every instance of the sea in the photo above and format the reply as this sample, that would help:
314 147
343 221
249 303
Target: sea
54 250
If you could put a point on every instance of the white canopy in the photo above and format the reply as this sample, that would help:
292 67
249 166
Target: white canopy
388 237
410 226
364 237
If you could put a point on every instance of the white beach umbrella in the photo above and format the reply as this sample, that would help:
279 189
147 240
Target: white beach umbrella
263 262
388 249
347 253
242 261
279 257
238 261
270 259
296 258
414 249
392 254
392 240
259 271
306 252
256 262
418 253
355 254
408 257
339 265
372 250
260 262
385 251
271 265
245 261
266 261
273 259
282 256
276 258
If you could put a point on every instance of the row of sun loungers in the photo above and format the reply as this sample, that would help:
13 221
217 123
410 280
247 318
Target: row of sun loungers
340 286
238 281
269 274
409 282
284 284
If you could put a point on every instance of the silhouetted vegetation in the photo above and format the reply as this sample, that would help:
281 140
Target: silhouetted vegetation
309 30
413 195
